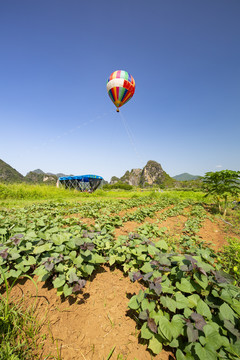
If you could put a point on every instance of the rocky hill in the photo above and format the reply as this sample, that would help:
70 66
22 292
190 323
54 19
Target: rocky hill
151 174
9 174
40 177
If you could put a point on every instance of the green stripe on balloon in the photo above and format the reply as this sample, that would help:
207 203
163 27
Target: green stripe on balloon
121 93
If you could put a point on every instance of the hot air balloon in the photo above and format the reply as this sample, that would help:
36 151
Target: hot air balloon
120 87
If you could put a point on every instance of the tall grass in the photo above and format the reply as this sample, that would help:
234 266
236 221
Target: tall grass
19 328
24 194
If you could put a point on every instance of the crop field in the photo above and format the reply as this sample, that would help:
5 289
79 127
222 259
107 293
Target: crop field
140 277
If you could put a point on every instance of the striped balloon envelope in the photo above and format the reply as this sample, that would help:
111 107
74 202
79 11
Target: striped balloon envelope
120 87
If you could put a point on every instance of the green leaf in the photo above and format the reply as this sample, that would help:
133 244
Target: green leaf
181 301
146 268
165 328
185 286
167 287
14 254
88 269
201 279
234 349
140 296
152 250
146 305
14 273
236 306
203 309
174 343
112 260
42 248
161 244
155 345
187 312
30 261
180 355
176 325
168 303
67 290
133 303
193 300
72 255
200 351
226 312
78 261
214 340
98 259
59 281
72 276
145 332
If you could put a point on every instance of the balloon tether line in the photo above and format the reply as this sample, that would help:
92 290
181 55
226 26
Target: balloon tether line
130 136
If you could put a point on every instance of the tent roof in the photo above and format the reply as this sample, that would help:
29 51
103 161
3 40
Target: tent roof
84 178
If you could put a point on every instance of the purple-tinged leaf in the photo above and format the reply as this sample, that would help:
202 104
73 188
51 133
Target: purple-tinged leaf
79 285
163 268
149 242
192 333
59 259
137 276
87 246
4 253
199 321
147 276
16 239
154 262
152 325
222 277
192 260
156 287
202 271
157 280
49 265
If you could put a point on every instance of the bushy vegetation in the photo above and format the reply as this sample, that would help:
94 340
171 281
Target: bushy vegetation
222 185
118 185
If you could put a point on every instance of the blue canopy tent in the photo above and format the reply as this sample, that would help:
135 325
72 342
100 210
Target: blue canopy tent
82 182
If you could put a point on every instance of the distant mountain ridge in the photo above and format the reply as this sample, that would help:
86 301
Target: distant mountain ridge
152 174
186 177
10 175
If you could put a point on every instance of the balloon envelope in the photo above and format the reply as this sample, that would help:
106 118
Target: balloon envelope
120 87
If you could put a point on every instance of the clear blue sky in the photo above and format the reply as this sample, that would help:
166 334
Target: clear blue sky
56 56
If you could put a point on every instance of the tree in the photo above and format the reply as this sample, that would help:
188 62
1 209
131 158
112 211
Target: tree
222 184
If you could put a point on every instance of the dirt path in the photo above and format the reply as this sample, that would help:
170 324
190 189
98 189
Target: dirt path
90 326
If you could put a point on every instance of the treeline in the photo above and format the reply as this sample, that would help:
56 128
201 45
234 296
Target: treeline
180 185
